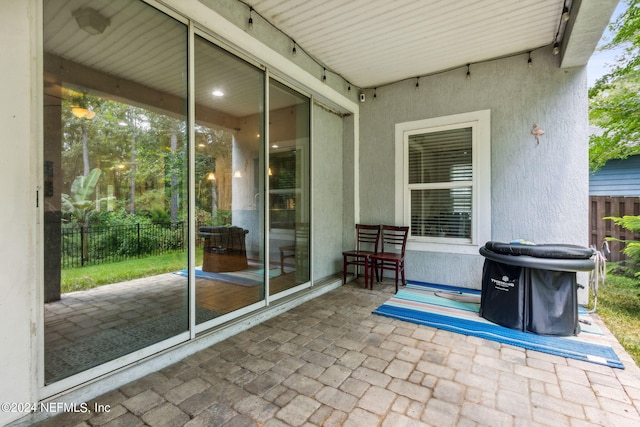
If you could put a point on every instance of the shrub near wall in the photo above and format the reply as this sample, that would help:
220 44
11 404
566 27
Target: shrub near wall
117 236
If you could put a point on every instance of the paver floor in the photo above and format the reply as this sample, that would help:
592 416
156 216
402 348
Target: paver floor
331 362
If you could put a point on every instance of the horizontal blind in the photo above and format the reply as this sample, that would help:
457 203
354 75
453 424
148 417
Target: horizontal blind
443 156
440 176
441 213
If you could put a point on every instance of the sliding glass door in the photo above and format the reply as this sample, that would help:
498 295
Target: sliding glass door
229 170
115 181
289 187
123 181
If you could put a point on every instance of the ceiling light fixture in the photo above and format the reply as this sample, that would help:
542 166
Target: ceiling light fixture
529 61
90 20
375 93
81 108
417 83
83 113
468 71
565 14
294 51
217 93
324 75
250 19
556 48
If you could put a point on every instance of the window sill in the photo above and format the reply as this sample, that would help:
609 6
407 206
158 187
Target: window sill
450 246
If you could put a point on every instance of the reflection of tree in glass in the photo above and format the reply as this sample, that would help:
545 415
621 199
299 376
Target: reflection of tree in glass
141 152
213 173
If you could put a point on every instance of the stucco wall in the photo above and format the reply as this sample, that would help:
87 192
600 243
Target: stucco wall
349 183
539 192
18 167
327 183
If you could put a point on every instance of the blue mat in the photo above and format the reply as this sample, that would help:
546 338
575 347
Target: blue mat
248 277
424 304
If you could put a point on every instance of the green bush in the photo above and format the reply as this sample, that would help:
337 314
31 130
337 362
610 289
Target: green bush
120 235
631 265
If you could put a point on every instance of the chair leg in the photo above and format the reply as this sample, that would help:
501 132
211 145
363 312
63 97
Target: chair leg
397 268
366 272
344 270
372 268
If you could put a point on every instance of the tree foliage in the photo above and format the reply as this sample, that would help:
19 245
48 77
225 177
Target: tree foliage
79 204
632 247
614 103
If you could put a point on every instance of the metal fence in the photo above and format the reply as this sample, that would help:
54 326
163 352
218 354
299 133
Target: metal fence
96 245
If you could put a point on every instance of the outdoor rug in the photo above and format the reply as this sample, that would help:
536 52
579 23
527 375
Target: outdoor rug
248 277
447 308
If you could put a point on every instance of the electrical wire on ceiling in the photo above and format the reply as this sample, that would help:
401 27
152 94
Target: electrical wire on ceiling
564 17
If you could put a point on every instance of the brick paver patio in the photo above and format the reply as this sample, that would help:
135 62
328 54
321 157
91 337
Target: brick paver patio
331 362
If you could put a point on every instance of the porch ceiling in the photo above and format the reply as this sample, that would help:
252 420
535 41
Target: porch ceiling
368 42
374 42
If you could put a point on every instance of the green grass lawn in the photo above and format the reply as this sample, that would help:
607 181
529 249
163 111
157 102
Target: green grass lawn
82 278
619 308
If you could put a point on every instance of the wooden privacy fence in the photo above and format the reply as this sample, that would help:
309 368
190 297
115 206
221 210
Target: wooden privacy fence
604 206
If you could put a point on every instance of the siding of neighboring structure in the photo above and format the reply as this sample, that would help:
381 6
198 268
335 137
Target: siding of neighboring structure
617 178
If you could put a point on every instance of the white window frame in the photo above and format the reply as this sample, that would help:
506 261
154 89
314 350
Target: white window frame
480 122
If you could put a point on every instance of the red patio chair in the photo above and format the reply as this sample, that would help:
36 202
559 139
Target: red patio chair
391 255
367 239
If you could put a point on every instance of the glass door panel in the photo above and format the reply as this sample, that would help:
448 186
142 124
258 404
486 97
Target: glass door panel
289 187
229 170
115 187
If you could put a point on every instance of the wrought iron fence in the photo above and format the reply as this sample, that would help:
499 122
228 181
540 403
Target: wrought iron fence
83 246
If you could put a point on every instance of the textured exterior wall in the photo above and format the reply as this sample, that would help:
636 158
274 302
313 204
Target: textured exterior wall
18 171
539 192
327 183
349 184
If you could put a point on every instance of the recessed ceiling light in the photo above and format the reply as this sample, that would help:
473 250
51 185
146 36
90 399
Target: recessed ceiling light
274 146
217 92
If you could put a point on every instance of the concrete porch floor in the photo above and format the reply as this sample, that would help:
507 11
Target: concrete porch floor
331 362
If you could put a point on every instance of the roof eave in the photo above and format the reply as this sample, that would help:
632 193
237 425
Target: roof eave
585 28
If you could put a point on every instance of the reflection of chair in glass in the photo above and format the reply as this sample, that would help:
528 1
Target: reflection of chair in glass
367 239
223 248
388 258
300 248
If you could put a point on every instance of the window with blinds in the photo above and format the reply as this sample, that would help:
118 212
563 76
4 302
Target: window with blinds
440 183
